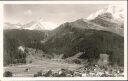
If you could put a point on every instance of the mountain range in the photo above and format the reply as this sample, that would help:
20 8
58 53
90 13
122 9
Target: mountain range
111 16
32 25
95 35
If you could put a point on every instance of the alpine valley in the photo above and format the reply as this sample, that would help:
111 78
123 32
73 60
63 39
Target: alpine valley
83 39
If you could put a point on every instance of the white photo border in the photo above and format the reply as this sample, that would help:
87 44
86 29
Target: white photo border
2 3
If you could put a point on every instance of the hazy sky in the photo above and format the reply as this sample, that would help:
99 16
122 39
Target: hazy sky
55 13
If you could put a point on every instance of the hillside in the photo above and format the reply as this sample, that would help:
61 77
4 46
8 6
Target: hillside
70 40
106 21
14 38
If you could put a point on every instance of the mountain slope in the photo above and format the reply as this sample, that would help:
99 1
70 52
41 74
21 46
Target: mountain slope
14 38
117 11
113 26
111 17
70 40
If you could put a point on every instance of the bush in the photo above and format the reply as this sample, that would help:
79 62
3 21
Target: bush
39 73
8 74
77 61
48 74
35 75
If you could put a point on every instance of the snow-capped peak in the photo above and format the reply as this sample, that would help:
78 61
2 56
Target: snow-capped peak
117 12
39 24
33 25
8 25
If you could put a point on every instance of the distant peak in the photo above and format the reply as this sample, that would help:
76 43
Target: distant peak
81 20
39 24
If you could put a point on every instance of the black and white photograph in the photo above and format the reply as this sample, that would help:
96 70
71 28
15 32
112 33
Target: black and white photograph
64 40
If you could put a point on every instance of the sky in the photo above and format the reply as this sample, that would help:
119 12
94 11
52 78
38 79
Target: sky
53 13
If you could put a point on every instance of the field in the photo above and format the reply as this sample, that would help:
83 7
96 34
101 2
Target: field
52 68
45 65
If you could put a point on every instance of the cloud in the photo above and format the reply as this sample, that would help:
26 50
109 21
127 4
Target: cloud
28 12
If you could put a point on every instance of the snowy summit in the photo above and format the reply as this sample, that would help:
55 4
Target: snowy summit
117 12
